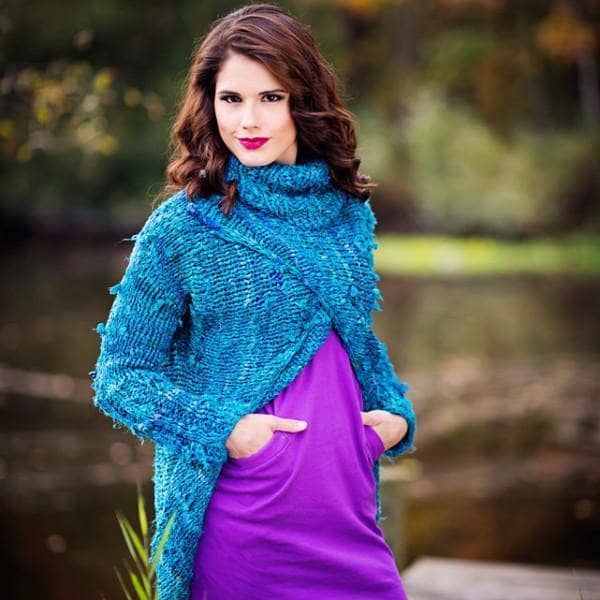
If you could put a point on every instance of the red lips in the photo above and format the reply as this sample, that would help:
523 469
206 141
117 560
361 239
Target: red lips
252 143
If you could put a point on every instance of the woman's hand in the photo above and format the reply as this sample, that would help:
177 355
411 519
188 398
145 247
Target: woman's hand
391 428
253 431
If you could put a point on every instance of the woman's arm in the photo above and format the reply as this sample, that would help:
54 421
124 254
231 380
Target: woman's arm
390 395
129 378
390 392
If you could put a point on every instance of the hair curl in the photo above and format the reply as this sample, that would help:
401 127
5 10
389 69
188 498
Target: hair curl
286 47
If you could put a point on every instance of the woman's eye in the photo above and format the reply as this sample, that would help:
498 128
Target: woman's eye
276 98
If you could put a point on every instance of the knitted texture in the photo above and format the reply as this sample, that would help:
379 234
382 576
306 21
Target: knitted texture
216 314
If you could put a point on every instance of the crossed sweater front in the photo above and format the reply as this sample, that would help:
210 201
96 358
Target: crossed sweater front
216 314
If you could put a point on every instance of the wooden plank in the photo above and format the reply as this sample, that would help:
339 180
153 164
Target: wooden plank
434 578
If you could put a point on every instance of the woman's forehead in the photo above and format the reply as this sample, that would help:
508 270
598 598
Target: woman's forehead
240 74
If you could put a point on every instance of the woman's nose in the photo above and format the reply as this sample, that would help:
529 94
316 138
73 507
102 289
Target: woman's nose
249 118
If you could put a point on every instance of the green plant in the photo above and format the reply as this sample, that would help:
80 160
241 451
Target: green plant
138 545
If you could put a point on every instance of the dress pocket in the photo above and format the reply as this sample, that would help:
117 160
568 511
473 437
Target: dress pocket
279 440
374 444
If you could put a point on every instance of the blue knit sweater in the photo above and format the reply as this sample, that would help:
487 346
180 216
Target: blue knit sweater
216 314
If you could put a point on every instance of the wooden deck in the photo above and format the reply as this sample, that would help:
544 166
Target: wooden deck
432 578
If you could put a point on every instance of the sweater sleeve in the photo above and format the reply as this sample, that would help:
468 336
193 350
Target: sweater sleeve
390 392
390 395
129 379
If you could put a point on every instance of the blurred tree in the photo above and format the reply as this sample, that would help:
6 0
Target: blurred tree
86 102
565 36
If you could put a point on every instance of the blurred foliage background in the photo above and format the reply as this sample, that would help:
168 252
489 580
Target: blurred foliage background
474 116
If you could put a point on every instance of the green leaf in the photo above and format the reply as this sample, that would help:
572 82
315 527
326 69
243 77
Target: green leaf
121 519
125 590
141 594
142 513
161 544
137 542
133 539
146 577
138 586
126 529
146 582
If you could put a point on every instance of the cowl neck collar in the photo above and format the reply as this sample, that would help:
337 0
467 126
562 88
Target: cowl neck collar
303 194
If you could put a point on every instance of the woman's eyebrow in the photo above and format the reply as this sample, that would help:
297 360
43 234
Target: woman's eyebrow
259 93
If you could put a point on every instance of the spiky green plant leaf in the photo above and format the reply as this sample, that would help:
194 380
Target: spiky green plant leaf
138 545
123 586
162 542
142 514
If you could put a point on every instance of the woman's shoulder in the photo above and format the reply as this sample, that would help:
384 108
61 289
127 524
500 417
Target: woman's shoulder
169 214
360 213
172 219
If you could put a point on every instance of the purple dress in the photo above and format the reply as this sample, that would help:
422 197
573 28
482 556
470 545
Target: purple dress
297 517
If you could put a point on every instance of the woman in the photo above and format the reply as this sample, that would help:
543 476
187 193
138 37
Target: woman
240 338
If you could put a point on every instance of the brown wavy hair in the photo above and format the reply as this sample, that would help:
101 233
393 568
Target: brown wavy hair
286 47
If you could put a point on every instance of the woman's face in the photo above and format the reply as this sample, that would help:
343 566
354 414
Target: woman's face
251 103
